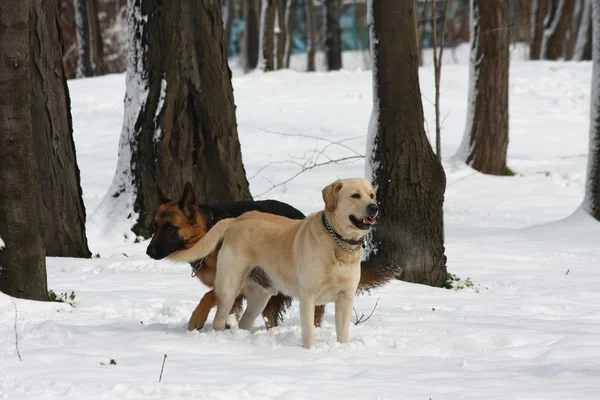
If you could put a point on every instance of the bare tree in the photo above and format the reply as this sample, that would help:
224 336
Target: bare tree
290 24
250 47
539 9
485 141
437 68
180 120
22 261
311 35
333 35
89 39
556 25
591 202
266 60
408 177
583 44
229 18
62 208
280 32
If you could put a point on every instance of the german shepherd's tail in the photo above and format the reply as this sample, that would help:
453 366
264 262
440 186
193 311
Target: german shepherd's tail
204 246
376 273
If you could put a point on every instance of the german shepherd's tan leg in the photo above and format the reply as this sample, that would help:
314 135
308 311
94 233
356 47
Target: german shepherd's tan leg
319 311
200 314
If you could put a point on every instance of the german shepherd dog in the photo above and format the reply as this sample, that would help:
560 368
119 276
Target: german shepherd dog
179 225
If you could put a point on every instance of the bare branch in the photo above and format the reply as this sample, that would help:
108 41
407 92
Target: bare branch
16 333
162 368
362 316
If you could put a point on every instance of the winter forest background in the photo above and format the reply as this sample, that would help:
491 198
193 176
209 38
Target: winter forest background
476 121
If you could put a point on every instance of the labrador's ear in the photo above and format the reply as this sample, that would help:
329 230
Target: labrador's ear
330 195
162 198
188 200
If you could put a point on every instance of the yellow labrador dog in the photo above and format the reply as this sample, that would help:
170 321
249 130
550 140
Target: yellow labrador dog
316 259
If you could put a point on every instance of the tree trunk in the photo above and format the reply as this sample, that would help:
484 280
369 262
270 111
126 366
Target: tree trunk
97 46
267 36
280 33
539 9
583 45
409 180
250 47
63 212
229 17
290 24
591 202
180 121
571 39
333 35
311 35
84 40
557 24
485 141
22 261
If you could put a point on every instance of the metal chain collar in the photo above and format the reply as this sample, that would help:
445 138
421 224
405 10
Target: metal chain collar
196 266
334 235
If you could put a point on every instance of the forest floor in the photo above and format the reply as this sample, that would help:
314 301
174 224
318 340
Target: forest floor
526 323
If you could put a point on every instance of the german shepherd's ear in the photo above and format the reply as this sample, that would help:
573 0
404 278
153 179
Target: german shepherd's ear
330 195
188 200
162 198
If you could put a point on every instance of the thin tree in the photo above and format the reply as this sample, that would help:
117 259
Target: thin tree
437 68
266 45
539 9
250 46
89 39
22 262
556 25
290 24
63 211
280 33
97 45
485 140
583 44
311 35
333 35
179 122
229 18
408 177
591 202
573 28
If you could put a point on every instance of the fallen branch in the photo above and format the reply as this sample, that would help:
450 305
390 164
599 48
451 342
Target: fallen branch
16 333
162 368
362 316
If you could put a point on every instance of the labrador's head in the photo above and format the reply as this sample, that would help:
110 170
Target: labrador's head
353 204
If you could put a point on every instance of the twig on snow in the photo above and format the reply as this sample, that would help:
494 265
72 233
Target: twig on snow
362 316
16 333
162 368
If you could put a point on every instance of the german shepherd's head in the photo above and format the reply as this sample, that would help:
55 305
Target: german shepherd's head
178 225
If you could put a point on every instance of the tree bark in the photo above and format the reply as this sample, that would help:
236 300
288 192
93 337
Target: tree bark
591 203
557 24
250 47
539 9
333 35
485 141
97 46
290 25
311 35
280 33
573 28
267 36
63 211
180 121
84 39
22 261
583 45
408 177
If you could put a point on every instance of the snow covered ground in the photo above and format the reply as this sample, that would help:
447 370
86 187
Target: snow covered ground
529 328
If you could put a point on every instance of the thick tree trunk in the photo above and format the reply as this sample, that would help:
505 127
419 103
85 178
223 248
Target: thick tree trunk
266 60
311 35
557 24
250 47
485 141
591 203
333 35
409 179
539 9
84 40
583 45
280 33
22 261
180 121
229 17
63 212
290 24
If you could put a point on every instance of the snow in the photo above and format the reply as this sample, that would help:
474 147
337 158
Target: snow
1 243
159 107
528 328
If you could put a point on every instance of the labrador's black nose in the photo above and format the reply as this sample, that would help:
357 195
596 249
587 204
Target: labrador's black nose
372 210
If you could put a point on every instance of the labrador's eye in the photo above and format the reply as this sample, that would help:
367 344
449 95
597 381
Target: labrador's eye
372 196
356 196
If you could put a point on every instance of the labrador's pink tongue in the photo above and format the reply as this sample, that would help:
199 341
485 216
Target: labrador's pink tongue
369 221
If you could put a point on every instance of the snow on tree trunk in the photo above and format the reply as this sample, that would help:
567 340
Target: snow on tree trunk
333 35
23 261
250 48
583 44
539 9
179 122
311 35
556 26
409 180
290 24
591 203
266 60
485 140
